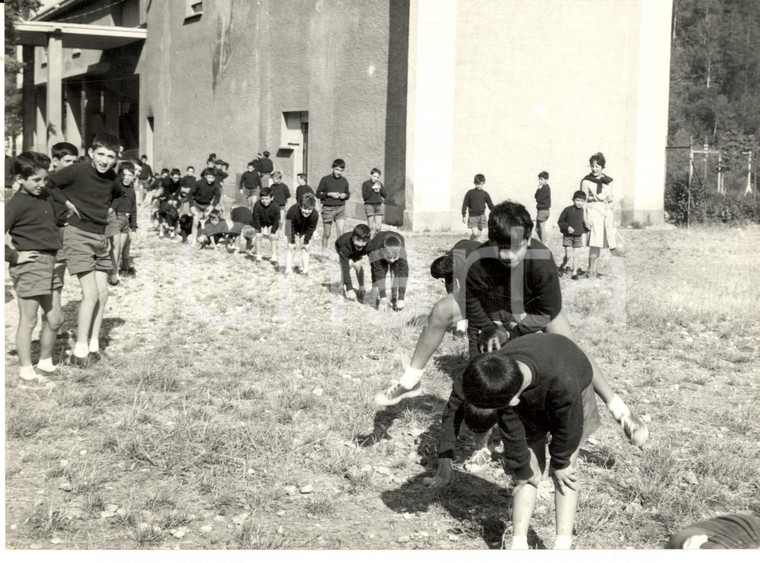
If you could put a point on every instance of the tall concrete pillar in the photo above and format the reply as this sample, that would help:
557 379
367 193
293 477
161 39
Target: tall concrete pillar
54 89
74 114
40 130
111 111
430 113
29 98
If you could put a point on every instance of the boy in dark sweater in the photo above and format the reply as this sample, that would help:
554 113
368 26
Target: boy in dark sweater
250 184
351 248
219 172
300 225
374 195
303 187
189 179
203 198
533 387
30 219
266 221
64 154
387 255
241 218
572 227
122 219
264 169
89 190
280 193
474 203
543 204
333 192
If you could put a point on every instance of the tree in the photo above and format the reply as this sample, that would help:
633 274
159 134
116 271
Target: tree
15 11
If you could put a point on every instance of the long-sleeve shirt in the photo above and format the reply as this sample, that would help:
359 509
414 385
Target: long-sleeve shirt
188 181
553 401
370 195
268 216
128 205
544 197
250 180
204 193
491 288
475 202
303 190
346 250
380 267
330 184
241 215
171 188
90 192
264 166
31 222
220 175
572 217
298 225
146 172
280 193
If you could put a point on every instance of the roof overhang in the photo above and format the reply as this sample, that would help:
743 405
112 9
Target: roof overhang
79 36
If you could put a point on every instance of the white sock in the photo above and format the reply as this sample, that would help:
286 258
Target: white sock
462 326
81 350
27 372
618 408
46 364
520 542
94 345
410 378
563 542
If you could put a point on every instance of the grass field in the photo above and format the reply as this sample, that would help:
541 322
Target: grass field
234 409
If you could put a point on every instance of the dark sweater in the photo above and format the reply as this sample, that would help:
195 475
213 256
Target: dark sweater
330 184
241 215
380 267
544 197
170 187
280 193
250 180
346 250
490 290
264 166
572 217
370 195
31 222
128 205
475 202
301 191
731 531
146 172
268 216
298 225
560 372
204 193
92 194
220 176
188 181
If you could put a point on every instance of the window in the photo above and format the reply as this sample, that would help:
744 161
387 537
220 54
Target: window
193 8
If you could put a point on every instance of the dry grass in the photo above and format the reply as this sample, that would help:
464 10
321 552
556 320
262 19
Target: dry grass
229 389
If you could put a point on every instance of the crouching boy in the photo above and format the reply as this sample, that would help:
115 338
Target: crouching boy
351 248
387 255
300 225
266 221
533 387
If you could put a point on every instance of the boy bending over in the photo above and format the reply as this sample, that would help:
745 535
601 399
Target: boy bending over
387 255
300 225
351 248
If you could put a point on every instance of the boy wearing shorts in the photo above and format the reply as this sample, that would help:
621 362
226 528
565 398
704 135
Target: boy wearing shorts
30 219
572 227
374 195
333 192
300 225
543 197
266 221
89 190
122 217
351 248
474 204
387 255
204 196
250 184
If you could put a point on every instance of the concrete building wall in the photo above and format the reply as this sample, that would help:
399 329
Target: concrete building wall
221 82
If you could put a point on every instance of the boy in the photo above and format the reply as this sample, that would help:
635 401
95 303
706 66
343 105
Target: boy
264 168
543 204
214 231
303 188
145 177
333 192
533 387
351 248
374 194
168 219
250 184
512 289
189 179
281 194
122 217
126 268
301 222
30 219
572 227
170 190
203 198
64 154
474 203
242 223
219 172
266 221
387 254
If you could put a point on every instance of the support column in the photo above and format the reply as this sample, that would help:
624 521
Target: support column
40 130
54 89
29 99
74 114
111 111
430 114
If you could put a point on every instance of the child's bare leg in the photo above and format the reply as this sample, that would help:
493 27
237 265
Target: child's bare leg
566 505
576 260
304 258
524 497
115 251
52 319
27 320
359 269
593 256
327 227
126 246
102 288
340 227
90 297
568 255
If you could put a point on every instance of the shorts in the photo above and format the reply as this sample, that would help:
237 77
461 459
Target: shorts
59 257
574 241
85 251
34 279
118 222
251 192
200 211
542 215
332 213
373 209
477 222
537 433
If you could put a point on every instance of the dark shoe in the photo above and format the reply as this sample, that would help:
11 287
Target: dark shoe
94 357
576 277
131 272
83 363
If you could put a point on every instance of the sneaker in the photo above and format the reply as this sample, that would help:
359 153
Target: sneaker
478 461
636 429
45 373
94 357
26 376
576 277
396 393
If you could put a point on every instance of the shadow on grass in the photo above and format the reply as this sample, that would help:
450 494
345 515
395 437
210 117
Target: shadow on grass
384 418
452 364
